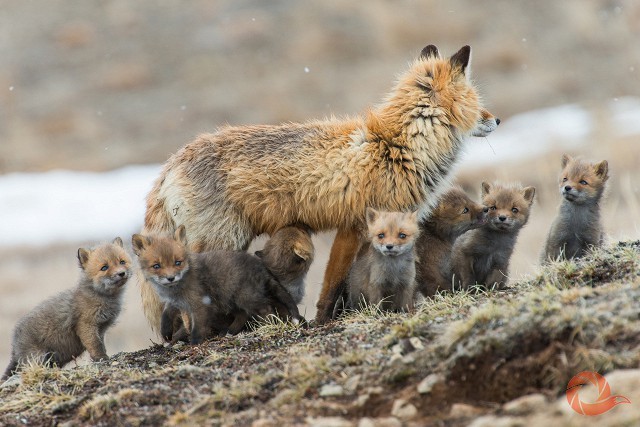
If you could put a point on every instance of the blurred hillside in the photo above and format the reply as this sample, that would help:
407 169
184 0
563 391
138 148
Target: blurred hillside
96 85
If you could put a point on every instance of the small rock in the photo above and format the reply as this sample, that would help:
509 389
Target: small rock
395 358
403 409
115 363
462 410
416 343
493 421
11 382
329 390
189 369
408 359
351 385
375 390
362 400
152 364
380 422
426 385
264 422
328 422
526 404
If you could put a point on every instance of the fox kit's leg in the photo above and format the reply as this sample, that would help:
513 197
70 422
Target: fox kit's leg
344 250
239 321
282 296
92 340
11 369
496 278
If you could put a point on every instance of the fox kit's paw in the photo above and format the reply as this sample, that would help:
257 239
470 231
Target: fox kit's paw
487 124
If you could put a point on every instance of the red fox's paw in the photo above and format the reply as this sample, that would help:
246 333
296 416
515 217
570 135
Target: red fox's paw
487 124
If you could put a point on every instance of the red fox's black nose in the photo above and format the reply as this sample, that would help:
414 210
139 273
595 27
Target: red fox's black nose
171 279
389 246
121 274
567 188
497 121
502 218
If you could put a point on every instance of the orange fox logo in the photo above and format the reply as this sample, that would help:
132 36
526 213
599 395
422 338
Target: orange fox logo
605 401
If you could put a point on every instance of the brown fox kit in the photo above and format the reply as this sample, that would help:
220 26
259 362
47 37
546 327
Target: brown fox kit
384 270
577 226
209 287
454 215
288 255
482 256
63 326
232 185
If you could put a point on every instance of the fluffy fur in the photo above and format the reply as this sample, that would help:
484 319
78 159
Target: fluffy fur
482 256
232 185
384 271
454 215
62 327
577 226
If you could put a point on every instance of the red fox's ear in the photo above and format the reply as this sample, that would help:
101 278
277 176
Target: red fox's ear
565 160
429 51
118 241
602 169
371 215
529 193
83 257
138 241
461 58
181 235
486 187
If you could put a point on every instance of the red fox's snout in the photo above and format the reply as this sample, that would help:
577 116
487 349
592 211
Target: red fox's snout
487 124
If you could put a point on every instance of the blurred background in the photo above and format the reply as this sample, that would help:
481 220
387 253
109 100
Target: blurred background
94 96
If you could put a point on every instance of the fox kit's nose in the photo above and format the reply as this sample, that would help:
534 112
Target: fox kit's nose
389 247
567 188
486 209
502 218
497 121
171 278
122 273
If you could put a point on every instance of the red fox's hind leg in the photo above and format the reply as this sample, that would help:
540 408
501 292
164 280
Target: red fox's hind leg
343 252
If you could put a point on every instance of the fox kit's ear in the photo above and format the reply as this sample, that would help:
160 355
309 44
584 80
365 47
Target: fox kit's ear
602 170
83 256
461 58
565 160
372 215
118 241
486 187
181 235
413 216
138 241
429 51
259 254
301 253
529 193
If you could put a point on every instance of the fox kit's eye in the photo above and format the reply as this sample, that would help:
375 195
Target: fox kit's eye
583 182
515 210
156 266
381 236
493 208
402 236
565 179
178 262
466 210
122 262
104 268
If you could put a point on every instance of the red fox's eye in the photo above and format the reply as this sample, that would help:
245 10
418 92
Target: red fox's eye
564 179
122 262
381 236
466 210
178 262
156 266
104 268
583 182
402 236
515 210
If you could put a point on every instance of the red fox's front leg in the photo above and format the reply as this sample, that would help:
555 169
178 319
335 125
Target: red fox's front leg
344 250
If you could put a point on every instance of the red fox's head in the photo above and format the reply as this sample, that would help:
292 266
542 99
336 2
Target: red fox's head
392 233
509 206
443 86
456 213
582 182
164 260
108 266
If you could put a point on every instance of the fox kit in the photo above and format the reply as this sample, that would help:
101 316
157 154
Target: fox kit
208 286
482 256
288 254
384 271
239 182
62 327
577 226
454 215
